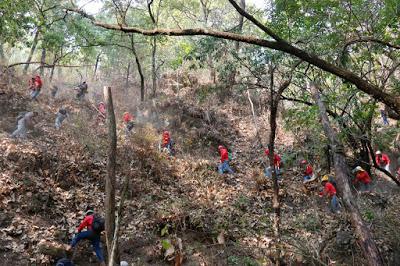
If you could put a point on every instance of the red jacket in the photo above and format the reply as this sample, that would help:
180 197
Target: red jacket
38 82
87 222
127 117
362 176
102 108
308 171
277 158
384 160
224 155
166 138
329 190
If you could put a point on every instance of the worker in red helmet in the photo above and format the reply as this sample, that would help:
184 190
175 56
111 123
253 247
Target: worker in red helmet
35 87
277 164
224 162
308 172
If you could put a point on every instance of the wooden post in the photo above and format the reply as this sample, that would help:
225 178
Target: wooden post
111 165
364 236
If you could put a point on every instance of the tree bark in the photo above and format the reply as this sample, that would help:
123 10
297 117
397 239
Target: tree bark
364 236
42 62
111 165
33 48
2 57
154 67
53 67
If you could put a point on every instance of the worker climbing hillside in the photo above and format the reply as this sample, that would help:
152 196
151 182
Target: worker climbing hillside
101 108
25 121
384 117
167 142
363 178
128 121
53 91
82 90
277 164
382 160
224 162
94 225
35 86
329 190
62 114
308 172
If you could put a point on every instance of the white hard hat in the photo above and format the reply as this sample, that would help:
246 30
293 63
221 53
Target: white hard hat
358 169
378 152
124 263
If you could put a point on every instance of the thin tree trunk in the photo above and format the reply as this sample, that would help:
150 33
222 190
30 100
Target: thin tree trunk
364 236
53 67
154 67
127 75
139 67
33 48
232 75
42 61
96 65
111 165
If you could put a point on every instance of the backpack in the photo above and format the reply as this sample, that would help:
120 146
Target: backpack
98 224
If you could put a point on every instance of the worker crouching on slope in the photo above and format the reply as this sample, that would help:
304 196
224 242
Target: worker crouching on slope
24 122
94 225
363 178
308 172
61 115
224 164
329 191
277 164
128 121
167 142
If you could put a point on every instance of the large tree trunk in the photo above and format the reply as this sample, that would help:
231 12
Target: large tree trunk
364 236
232 75
53 67
42 61
139 67
33 48
111 165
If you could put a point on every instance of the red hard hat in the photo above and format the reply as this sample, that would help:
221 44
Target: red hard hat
220 147
267 151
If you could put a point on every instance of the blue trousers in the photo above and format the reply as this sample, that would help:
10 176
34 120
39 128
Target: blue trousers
334 205
268 172
94 238
35 94
224 167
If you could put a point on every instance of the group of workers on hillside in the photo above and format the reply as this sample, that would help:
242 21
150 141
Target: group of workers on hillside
94 224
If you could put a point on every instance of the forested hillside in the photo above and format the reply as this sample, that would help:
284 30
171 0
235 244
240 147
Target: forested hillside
199 132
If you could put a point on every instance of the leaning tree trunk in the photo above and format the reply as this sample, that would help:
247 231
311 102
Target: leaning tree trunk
111 165
33 48
96 65
364 236
128 70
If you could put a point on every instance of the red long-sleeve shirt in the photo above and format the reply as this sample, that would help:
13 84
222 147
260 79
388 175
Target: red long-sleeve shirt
329 190
166 138
363 177
308 171
38 82
277 158
384 160
224 155
127 117
87 222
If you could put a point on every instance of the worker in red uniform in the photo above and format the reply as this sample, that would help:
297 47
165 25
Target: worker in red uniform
128 121
363 178
382 160
329 191
308 172
167 142
277 164
35 86
224 162
94 225
101 117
